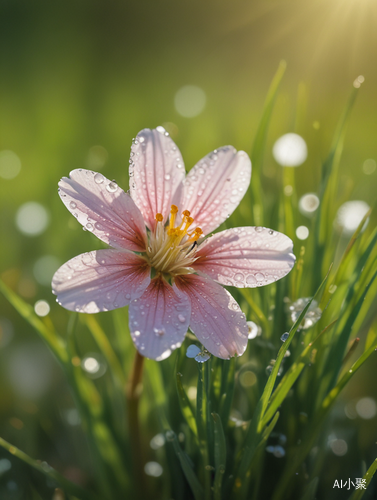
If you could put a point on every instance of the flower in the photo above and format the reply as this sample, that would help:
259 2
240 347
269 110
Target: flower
160 264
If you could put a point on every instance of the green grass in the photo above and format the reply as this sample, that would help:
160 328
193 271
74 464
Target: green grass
215 442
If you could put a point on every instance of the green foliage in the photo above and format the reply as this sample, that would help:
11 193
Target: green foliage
215 427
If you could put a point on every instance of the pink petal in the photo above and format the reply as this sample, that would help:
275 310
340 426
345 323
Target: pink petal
246 256
156 174
159 320
104 209
215 186
216 318
100 281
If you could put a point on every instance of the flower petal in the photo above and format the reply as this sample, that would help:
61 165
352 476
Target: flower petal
159 320
104 209
215 186
216 318
156 174
246 256
100 281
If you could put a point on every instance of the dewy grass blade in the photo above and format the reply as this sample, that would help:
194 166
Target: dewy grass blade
338 347
259 144
50 473
290 377
219 455
50 337
227 390
186 406
188 471
308 441
105 346
107 457
359 493
158 389
256 426
345 261
246 292
328 188
202 425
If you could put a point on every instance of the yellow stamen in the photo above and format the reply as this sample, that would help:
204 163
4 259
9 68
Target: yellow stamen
195 235
173 213
170 249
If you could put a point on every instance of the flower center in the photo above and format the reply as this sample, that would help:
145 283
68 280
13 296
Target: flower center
171 248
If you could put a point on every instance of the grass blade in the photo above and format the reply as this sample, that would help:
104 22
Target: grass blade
50 337
259 144
188 471
220 455
358 494
44 468
256 426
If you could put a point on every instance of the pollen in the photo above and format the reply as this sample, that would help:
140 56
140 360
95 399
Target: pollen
170 250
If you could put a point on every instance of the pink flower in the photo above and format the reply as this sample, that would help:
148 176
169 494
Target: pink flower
160 264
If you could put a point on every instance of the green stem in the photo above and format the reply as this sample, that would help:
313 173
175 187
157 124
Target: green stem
133 398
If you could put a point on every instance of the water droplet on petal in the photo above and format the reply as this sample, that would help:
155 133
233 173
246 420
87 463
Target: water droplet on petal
112 187
250 280
99 178
72 205
181 318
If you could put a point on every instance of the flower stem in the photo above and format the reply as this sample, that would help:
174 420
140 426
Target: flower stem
134 389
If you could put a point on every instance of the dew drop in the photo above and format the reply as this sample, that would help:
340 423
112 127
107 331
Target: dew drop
159 332
238 277
112 187
181 318
250 280
99 178
284 337
72 205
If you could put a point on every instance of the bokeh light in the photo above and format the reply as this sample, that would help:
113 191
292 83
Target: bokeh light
10 164
190 101
41 308
366 408
94 365
153 469
248 378
290 150
349 216
308 204
339 447
369 166
32 218
157 441
302 232
44 269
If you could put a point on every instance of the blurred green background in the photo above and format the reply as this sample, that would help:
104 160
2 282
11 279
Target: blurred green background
79 79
